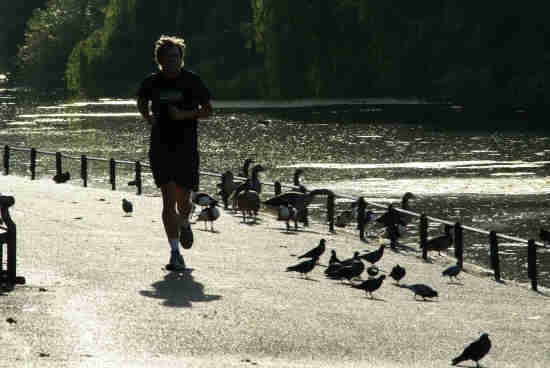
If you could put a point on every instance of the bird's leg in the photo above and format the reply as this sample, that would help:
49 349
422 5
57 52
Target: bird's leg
212 226
287 226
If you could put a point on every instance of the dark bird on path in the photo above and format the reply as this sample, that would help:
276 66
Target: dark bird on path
315 252
372 270
10 320
442 242
210 213
62 177
202 199
296 199
127 206
255 183
287 213
244 173
397 273
304 267
393 217
475 351
374 256
423 290
248 202
333 258
452 271
348 272
544 235
371 285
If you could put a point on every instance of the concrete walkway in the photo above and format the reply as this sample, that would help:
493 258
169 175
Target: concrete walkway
97 296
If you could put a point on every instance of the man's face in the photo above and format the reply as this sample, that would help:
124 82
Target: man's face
170 59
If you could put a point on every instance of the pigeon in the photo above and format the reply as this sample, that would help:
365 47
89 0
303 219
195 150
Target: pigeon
423 290
315 252
397 273
371 285
127 206
348 272
202 199
442 242
304 267
544 235
372 270
452 271
374 256
475 351
333 259
62 177
210 213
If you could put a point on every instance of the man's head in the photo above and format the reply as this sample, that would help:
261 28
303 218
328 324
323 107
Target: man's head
169 52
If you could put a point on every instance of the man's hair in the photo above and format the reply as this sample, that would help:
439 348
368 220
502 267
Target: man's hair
165 42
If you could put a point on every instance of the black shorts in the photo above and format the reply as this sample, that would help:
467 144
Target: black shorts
177 163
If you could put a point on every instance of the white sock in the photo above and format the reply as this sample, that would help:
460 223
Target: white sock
174 245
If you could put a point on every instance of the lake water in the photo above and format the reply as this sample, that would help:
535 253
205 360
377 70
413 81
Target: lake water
494 181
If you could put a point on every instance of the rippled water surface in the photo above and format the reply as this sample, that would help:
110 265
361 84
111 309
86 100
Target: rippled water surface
498 181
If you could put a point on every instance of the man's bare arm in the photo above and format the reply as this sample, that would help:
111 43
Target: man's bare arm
143 107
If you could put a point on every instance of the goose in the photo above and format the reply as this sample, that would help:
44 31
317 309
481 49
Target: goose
255 183
227 187
393 217
246 165
248 202
297 199
287 213
210 213
442 242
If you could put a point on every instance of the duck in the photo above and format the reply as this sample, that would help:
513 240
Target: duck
287 213
248 202
442 242
210 213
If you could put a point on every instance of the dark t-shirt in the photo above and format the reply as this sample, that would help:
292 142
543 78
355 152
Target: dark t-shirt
186 91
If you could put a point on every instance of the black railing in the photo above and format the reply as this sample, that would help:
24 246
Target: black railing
362 204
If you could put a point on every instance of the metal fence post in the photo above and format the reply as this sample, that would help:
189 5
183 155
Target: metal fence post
33 163
459 244
112 173
84 169
532 263
495 263
423 233
138 178
6 160
58 164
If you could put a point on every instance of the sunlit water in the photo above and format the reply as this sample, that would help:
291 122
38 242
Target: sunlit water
495 182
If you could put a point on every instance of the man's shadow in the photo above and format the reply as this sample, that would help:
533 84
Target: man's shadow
179 289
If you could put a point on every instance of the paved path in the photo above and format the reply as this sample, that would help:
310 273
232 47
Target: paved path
109 303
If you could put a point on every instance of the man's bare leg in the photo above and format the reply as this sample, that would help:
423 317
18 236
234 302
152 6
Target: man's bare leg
170 221
183 198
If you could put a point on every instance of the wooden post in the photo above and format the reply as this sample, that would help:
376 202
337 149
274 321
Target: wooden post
58 163
423 233
33 163
296 177
459 244
84 169
138 178
6 160
361 221
277 188
532 263
112 173
495 263
330 211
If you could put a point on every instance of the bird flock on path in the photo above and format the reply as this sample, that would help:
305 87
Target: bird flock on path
292 206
